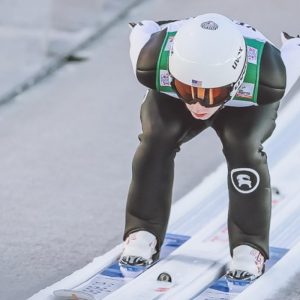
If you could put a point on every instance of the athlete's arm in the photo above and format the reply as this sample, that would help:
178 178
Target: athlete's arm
146 40
272 78
139 36
290 53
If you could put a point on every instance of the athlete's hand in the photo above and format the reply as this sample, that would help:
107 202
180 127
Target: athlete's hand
139 36
147 25
131 25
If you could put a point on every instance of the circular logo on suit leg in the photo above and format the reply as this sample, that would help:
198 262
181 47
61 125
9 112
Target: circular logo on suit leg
245 180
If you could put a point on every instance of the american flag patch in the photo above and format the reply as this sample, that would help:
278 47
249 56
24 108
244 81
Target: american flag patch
196 83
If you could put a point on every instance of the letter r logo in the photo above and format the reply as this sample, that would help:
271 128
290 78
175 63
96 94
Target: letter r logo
245 180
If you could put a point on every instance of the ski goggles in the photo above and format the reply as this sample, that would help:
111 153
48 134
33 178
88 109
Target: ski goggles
208 97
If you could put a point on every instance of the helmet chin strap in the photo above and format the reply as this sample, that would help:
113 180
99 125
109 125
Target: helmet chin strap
240 80
237 85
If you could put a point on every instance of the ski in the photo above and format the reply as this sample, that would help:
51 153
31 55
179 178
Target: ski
199 263
113 277
227 289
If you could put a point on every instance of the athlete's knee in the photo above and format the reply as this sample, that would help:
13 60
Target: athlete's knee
243 148
161 135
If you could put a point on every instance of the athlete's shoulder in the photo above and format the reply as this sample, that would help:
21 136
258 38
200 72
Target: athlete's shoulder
272 73
147 59
250 31
139 36
145 50
272 78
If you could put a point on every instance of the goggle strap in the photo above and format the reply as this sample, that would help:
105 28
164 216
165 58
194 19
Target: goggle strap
193 93
211 97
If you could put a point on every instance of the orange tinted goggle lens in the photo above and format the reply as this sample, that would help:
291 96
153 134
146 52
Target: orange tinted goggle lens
206 97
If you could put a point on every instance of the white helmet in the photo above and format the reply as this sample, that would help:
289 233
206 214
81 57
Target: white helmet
208 52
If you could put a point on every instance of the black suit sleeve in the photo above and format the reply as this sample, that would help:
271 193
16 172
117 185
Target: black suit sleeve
272 80
147 60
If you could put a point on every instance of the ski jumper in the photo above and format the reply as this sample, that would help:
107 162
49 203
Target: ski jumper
242 126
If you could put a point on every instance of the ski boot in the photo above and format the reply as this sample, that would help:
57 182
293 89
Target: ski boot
247 264
138 253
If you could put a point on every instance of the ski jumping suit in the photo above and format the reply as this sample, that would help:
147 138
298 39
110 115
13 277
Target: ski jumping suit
242 126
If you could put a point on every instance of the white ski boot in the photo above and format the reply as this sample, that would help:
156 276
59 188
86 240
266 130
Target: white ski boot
139 249
247 264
